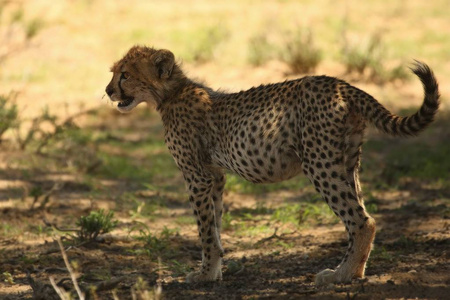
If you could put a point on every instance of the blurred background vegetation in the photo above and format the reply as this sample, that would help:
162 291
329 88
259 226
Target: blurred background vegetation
63 145
54 60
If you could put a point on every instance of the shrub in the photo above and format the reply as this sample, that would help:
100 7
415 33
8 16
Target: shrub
97 222
300 53
365 59
363 56
202 47
260 50
8 115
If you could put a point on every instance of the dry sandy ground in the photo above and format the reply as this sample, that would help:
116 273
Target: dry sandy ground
261 266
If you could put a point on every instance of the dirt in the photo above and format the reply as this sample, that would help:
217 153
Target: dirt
410 260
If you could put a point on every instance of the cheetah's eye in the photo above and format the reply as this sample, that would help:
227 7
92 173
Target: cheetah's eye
125 75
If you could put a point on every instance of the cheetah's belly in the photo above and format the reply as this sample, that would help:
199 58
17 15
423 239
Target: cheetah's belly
258 166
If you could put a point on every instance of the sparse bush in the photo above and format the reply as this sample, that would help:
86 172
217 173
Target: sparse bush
32 28
62 141
399 73
259 50
300 53
365 59
202 47
17 31
97 222
8 115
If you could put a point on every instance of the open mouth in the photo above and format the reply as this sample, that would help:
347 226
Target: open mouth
125 102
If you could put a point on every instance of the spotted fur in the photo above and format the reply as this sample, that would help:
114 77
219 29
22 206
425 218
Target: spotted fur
269 133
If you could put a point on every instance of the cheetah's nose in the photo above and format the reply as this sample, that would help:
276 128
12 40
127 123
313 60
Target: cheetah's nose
109 90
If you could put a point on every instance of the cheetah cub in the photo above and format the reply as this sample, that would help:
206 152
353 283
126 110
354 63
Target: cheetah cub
266 134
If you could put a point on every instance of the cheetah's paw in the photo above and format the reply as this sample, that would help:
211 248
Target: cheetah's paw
198 276
328 276
325 277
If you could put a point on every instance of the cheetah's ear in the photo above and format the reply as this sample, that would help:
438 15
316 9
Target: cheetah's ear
164 62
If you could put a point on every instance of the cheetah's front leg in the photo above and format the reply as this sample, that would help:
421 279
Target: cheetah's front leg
203 191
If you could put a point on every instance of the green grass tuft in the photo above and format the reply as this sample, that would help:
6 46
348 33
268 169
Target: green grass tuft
422 161
156 245
97 222
237 184
305 214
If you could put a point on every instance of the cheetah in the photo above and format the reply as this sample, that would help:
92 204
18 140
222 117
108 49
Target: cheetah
266 134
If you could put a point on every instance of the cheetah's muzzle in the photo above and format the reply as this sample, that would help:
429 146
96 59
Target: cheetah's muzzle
125 102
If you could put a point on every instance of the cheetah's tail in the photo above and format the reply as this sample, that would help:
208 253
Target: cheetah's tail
412 125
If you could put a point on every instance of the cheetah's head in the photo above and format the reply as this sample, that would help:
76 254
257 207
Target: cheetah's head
143 75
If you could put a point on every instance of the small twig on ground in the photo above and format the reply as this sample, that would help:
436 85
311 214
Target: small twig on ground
240 270
58 290
78 245
158 287
56 187
114 294
46 196
71 271
109 284
102 286
54 269
108 237
275 236
40 290
308 292
53 225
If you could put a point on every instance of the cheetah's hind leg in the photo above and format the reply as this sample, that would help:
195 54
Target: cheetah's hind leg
342 197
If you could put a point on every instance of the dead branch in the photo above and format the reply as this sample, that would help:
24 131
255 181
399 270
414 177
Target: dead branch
275 236
46 196
106 285
61 293
71 271
53 225
41 291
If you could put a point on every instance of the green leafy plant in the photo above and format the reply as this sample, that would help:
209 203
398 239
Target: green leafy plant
97 222
178 268
226 221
